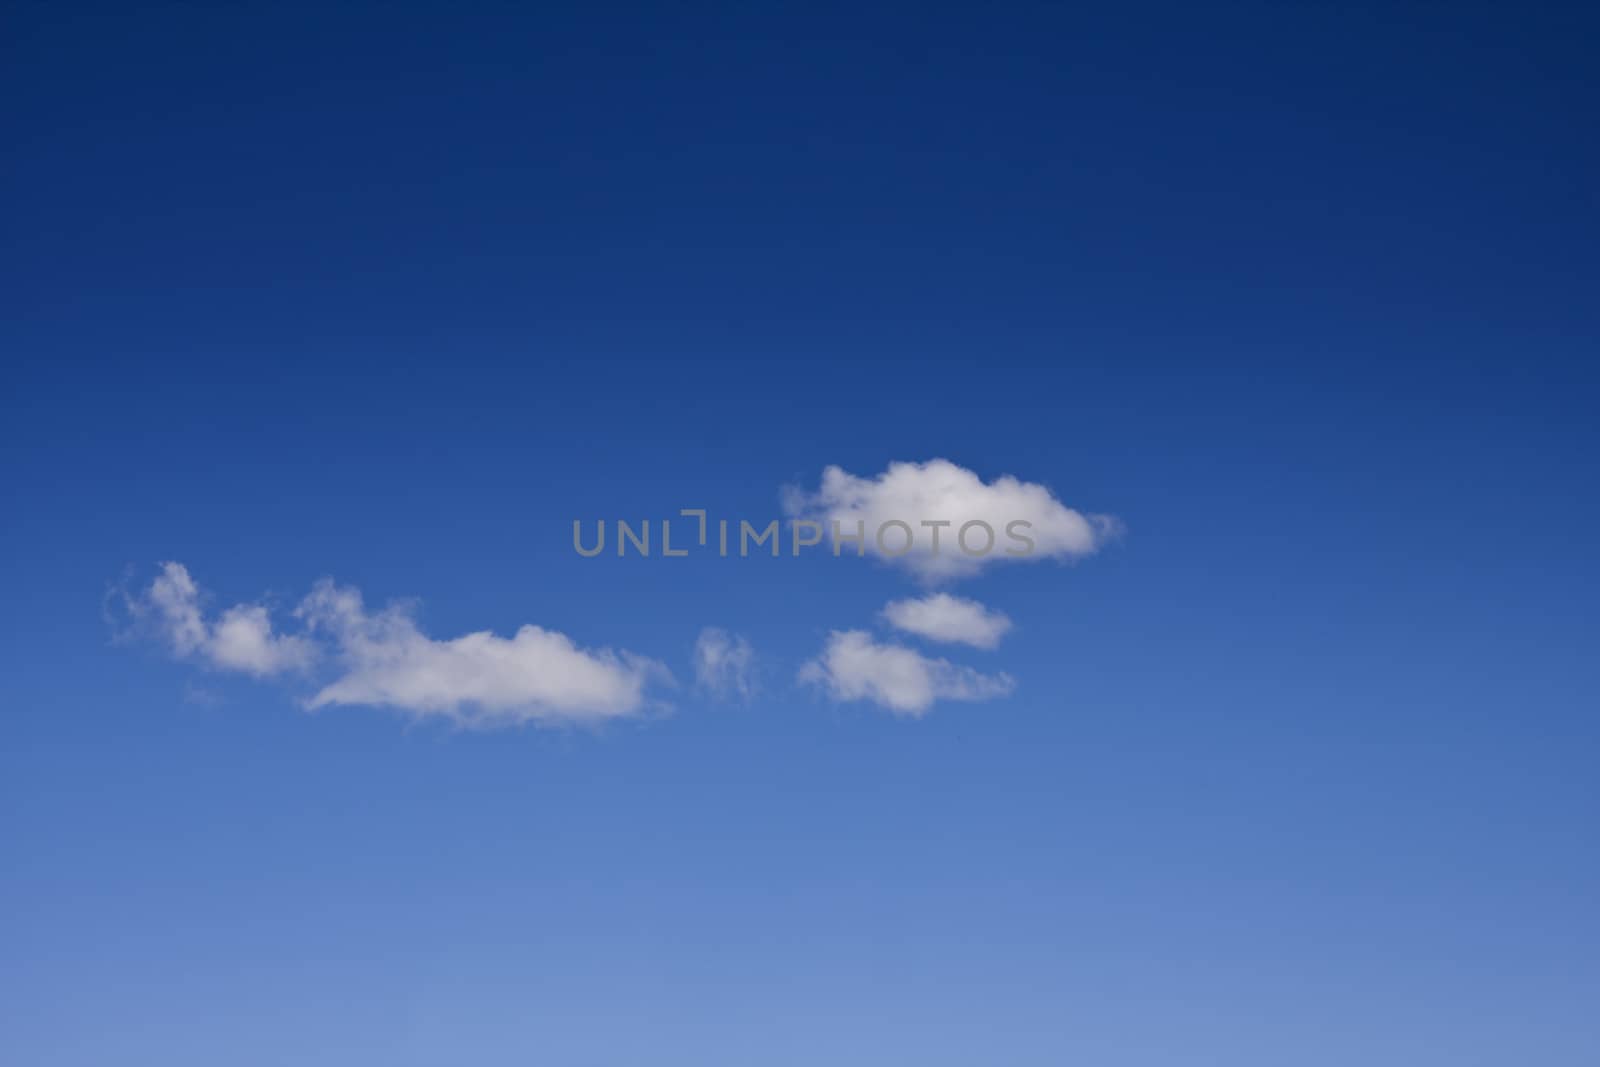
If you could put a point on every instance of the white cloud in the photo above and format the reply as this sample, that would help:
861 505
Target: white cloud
724 664
242 639
382 658
853 666
942 617
536 675
1015 512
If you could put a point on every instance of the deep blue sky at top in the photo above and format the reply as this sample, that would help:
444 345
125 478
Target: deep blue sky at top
1302 770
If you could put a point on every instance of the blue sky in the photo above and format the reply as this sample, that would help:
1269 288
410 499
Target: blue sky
1296 765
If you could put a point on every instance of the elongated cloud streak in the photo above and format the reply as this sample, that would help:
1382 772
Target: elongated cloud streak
536 675
382 658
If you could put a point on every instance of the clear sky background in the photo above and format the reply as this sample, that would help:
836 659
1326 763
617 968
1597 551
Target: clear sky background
1301 769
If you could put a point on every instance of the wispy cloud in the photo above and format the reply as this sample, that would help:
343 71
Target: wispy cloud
724 664
382 658
942 617
852 666
240 639
936 500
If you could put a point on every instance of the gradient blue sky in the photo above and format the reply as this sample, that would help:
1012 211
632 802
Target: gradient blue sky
1302 769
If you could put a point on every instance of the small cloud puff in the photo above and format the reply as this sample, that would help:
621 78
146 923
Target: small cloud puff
942 617
852 666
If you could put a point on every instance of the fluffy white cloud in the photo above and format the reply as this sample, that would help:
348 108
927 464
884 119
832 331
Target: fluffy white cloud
724 664
535 675
242 639
853 666
953 521
942 617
